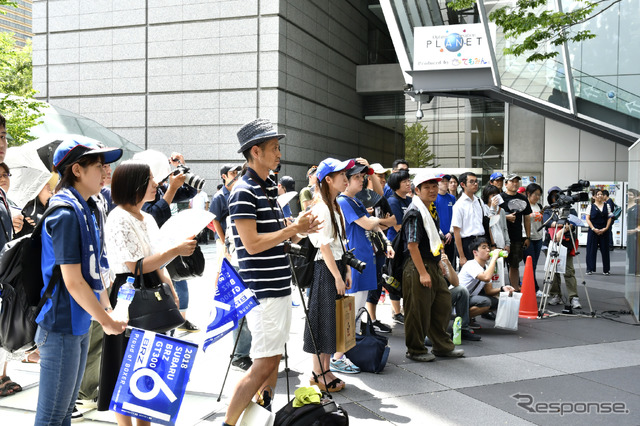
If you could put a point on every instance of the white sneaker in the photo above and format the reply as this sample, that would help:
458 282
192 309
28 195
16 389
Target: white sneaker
575 303
539 293
90 404
555 300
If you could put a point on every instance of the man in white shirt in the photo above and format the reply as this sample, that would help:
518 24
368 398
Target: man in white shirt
467 217
476 275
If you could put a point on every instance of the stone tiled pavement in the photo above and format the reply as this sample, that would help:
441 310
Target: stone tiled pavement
569 360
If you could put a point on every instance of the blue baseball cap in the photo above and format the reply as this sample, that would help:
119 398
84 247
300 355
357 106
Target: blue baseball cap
445 176
553 188
496 175
330 165
69 151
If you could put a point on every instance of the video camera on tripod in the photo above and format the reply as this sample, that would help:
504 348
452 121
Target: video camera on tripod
566 197
561 221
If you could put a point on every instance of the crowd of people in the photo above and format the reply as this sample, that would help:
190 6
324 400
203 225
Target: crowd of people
452 233
452 243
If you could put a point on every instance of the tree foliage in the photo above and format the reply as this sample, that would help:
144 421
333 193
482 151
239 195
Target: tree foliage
416 146
16 89
533 27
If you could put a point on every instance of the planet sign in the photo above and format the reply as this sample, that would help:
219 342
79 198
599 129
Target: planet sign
454 42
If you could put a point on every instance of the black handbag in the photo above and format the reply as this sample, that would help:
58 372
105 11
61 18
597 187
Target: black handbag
153 307
303 265
371 351
378 241
187 267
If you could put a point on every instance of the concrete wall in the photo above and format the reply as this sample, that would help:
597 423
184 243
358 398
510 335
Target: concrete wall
525 141
571 154
184 76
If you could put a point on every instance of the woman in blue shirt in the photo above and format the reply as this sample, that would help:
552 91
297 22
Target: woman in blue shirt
357 222
72 241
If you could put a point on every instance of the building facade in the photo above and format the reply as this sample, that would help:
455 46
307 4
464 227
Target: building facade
183 76
17 20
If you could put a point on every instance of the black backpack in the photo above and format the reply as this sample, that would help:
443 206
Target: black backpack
394 266
20 287
327 413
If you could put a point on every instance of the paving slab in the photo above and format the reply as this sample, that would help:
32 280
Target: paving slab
571 390
626 379
585 358
441 408
581 330
359 415
468 372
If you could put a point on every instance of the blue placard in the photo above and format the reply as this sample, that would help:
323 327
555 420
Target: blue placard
231 302
153 377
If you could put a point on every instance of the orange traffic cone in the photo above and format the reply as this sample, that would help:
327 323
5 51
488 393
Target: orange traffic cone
528 304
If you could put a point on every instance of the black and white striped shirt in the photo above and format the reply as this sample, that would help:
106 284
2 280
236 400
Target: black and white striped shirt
267 273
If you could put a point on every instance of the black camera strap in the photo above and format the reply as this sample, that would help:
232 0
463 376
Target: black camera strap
260 183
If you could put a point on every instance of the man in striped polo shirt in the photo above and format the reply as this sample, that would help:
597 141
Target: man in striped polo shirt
259 232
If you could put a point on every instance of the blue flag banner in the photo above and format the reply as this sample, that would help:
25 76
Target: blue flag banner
231 302
153 377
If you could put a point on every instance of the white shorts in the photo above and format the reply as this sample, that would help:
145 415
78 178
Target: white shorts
269 323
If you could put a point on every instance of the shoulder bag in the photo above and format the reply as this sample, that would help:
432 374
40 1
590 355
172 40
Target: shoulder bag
153 307
371 350
187 267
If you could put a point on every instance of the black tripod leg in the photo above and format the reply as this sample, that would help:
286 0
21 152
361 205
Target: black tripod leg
235 345
286 370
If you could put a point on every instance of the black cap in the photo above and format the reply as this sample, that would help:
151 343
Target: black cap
288 183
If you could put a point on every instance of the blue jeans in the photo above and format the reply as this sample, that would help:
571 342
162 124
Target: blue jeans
62 361
182 289
535 246
460 301
244 341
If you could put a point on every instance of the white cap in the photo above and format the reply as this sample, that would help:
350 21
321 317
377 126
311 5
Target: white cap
378 169
157 162
425 175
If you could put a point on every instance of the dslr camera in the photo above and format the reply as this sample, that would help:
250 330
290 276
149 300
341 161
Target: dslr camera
350 260
295 249
191 179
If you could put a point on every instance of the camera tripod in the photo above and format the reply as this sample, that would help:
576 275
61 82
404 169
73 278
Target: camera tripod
560 217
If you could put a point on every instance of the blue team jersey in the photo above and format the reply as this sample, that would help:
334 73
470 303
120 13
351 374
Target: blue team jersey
444 207
61 313
398 206
352 210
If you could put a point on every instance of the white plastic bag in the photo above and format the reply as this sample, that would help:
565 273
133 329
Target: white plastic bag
497 280
561 268
256 415
508 310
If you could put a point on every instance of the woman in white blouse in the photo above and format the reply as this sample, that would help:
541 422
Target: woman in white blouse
132 234
331 277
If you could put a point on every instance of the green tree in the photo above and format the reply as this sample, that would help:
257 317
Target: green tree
16 88
416 146
531 25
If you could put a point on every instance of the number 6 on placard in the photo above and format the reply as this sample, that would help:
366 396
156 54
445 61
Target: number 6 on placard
158 385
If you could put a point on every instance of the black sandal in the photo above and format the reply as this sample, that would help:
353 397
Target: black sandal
5 387
332 386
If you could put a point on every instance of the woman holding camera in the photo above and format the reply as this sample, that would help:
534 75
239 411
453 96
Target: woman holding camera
599 220
358 222
331 277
